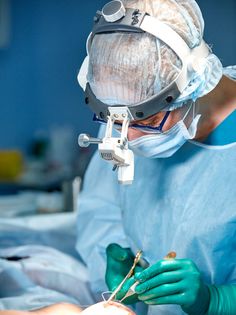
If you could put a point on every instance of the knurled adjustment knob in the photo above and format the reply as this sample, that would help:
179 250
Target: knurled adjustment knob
113 11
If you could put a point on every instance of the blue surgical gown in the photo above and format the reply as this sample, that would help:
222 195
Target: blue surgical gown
185 203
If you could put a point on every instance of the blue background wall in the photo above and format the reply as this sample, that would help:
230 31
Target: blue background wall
38 70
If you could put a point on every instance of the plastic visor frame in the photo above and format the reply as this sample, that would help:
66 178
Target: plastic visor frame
144 128
160 30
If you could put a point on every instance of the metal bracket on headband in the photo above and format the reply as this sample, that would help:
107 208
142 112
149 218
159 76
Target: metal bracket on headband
131 21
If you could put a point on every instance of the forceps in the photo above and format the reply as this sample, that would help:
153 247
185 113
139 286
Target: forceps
129 274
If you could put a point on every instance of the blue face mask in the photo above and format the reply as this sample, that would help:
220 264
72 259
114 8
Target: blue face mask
167 143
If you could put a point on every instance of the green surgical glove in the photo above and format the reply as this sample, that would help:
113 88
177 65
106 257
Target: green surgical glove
174 281
222 300
119 262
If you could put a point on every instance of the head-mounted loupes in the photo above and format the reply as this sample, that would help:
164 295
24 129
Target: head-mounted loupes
115 18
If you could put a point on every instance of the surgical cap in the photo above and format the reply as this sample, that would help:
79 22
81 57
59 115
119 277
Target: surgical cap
127 68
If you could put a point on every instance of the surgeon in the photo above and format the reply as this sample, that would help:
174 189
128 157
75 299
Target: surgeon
156 66
183 196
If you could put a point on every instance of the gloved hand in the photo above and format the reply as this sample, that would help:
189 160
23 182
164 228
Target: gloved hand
119 262
174 281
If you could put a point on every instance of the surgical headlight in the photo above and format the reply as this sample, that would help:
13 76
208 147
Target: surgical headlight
115 18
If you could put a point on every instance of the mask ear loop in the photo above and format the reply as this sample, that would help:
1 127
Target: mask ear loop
194 107
190 107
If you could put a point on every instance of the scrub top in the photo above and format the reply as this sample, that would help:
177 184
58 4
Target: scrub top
185 203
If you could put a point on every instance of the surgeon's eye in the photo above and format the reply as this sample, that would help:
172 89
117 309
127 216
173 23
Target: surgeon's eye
152 123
